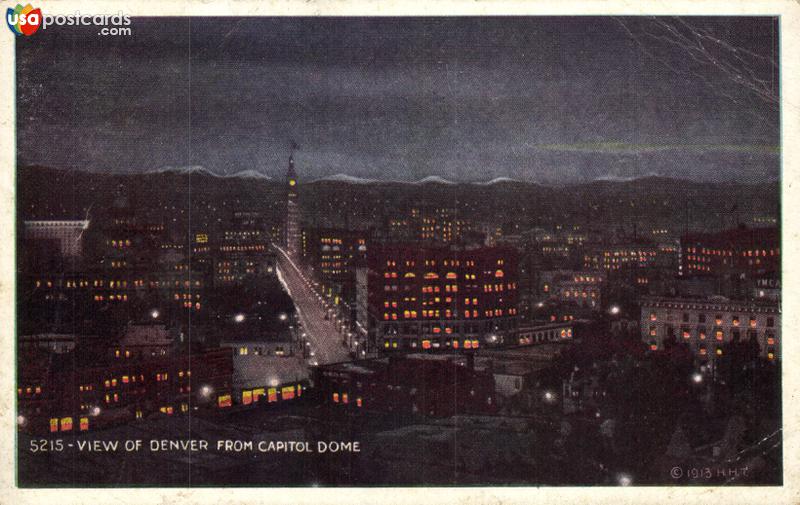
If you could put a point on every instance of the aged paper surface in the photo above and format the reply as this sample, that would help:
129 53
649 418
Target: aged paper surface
40 483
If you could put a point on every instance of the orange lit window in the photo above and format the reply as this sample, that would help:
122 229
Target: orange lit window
358 402
335 397
66 424
426 344
84 424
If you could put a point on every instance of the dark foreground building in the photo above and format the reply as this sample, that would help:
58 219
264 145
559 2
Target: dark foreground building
436 386
59 393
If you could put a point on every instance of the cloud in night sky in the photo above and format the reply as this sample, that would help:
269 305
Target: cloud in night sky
551 100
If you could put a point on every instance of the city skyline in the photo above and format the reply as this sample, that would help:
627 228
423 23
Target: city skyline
548 100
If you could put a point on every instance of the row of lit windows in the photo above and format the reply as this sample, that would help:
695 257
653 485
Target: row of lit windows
111 298
746 253
119 243
65 424
718 320
242 248
117 283
579 294
586 278
345 399
489 288
434 344
325 240
703 351
625 253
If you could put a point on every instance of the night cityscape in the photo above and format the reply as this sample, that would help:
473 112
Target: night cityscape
400 252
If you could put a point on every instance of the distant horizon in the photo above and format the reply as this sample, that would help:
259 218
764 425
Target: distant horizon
343 178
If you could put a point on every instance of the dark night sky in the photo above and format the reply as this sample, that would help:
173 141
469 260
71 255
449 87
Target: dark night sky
552 100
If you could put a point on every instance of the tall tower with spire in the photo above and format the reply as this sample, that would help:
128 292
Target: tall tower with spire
292 226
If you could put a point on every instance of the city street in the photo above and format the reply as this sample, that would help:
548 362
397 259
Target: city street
326 341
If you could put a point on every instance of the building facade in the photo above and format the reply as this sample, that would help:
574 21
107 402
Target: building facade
436 298
708 325
66 234
292 227
746 253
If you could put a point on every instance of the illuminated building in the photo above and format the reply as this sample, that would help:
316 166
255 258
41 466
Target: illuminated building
292 227
437 298
708 325
143 341
745 253
242 252
333 255
96 288
545 333
582 287
622 256
413 385
70 394
439 224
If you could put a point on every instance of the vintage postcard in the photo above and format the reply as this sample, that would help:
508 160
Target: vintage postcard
500 251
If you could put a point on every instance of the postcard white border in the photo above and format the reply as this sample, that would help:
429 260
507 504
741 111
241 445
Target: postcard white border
789 493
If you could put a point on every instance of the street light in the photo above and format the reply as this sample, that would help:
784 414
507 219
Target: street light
238 318
624 479
21 420
697 377
614 310
155 313
206 391
96 411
